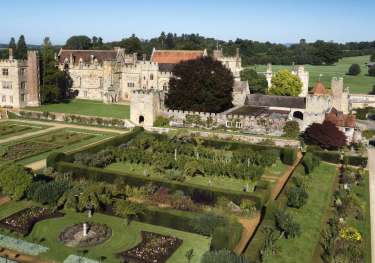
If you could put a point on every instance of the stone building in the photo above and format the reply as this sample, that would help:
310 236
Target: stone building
19 80
112 75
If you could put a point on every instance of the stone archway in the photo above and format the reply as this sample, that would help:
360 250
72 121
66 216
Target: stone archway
298 115
141 119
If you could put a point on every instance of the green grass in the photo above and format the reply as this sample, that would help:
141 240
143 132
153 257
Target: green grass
87 107
309 217
220 182
277 169
11 128
123 238
358 84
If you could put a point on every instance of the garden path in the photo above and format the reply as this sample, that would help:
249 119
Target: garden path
22 258
371 162
250 225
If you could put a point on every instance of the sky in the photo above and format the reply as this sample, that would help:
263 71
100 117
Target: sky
281 21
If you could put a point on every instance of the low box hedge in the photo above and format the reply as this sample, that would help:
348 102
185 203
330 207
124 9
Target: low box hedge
195 191
334 157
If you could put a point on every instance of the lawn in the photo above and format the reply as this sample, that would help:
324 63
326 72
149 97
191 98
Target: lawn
87 107
123 238
38 147
358 84
10 128
309 217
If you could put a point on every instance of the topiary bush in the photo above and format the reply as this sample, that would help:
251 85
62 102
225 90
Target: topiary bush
288 156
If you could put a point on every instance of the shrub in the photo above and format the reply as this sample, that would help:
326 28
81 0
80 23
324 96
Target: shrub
297 196
368 134
354 70
14 180
206 223
286 225
291 129
161 121
288 155
226 236
222 256
47 193
310 162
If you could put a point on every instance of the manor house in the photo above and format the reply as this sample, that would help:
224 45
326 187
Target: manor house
19 80
112 75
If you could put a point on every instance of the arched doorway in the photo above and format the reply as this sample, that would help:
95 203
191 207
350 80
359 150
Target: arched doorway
141 119
298 115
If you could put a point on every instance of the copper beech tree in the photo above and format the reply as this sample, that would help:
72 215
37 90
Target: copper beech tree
202 85
326 135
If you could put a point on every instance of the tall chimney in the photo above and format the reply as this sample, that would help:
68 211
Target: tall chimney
10 53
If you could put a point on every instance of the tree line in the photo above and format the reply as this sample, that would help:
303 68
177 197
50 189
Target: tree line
252 52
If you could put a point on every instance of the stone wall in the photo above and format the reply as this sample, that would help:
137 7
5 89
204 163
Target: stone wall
359 101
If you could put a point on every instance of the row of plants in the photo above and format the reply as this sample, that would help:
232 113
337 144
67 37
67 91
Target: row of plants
70 118
278 222
154 248
23 221
341 239
25 149
9 128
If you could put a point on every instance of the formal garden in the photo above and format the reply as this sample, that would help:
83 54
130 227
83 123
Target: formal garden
37 147
11 128
138 197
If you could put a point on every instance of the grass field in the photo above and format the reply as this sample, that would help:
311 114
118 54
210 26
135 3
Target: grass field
87 107
123 237
357 84
309 217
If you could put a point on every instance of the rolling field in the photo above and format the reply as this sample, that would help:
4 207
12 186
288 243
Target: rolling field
357 84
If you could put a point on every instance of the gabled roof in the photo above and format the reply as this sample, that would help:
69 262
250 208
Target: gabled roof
175 56
85 55
340 119
260 100
319 89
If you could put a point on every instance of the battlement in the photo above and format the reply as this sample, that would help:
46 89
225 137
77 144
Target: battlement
13 62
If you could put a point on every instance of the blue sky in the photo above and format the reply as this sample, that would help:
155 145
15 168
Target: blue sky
282 21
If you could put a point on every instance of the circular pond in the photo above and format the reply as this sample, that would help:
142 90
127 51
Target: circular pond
85 235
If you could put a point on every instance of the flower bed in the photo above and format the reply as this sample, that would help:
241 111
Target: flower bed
23 221
154 248
26 149
63 137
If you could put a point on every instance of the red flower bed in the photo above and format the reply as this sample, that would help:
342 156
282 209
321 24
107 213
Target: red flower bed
23 221
154 248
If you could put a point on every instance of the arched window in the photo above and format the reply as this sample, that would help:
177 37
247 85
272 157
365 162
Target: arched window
152 77
141 119
298 115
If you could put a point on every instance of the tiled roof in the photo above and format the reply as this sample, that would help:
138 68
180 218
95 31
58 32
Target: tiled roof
175 56
319 89
259 100
340 119
85 55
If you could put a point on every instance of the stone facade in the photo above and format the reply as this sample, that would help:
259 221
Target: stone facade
19 80
113 75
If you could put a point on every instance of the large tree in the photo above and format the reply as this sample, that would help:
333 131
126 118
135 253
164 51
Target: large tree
14 180
203 85
284 83
55 84
257 82
132 44
12 44
21 51
78 42
325 135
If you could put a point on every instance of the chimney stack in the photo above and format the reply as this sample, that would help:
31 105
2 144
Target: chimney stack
10 54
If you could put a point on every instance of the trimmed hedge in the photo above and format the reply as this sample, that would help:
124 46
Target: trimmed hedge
195 191
288 155
334 157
